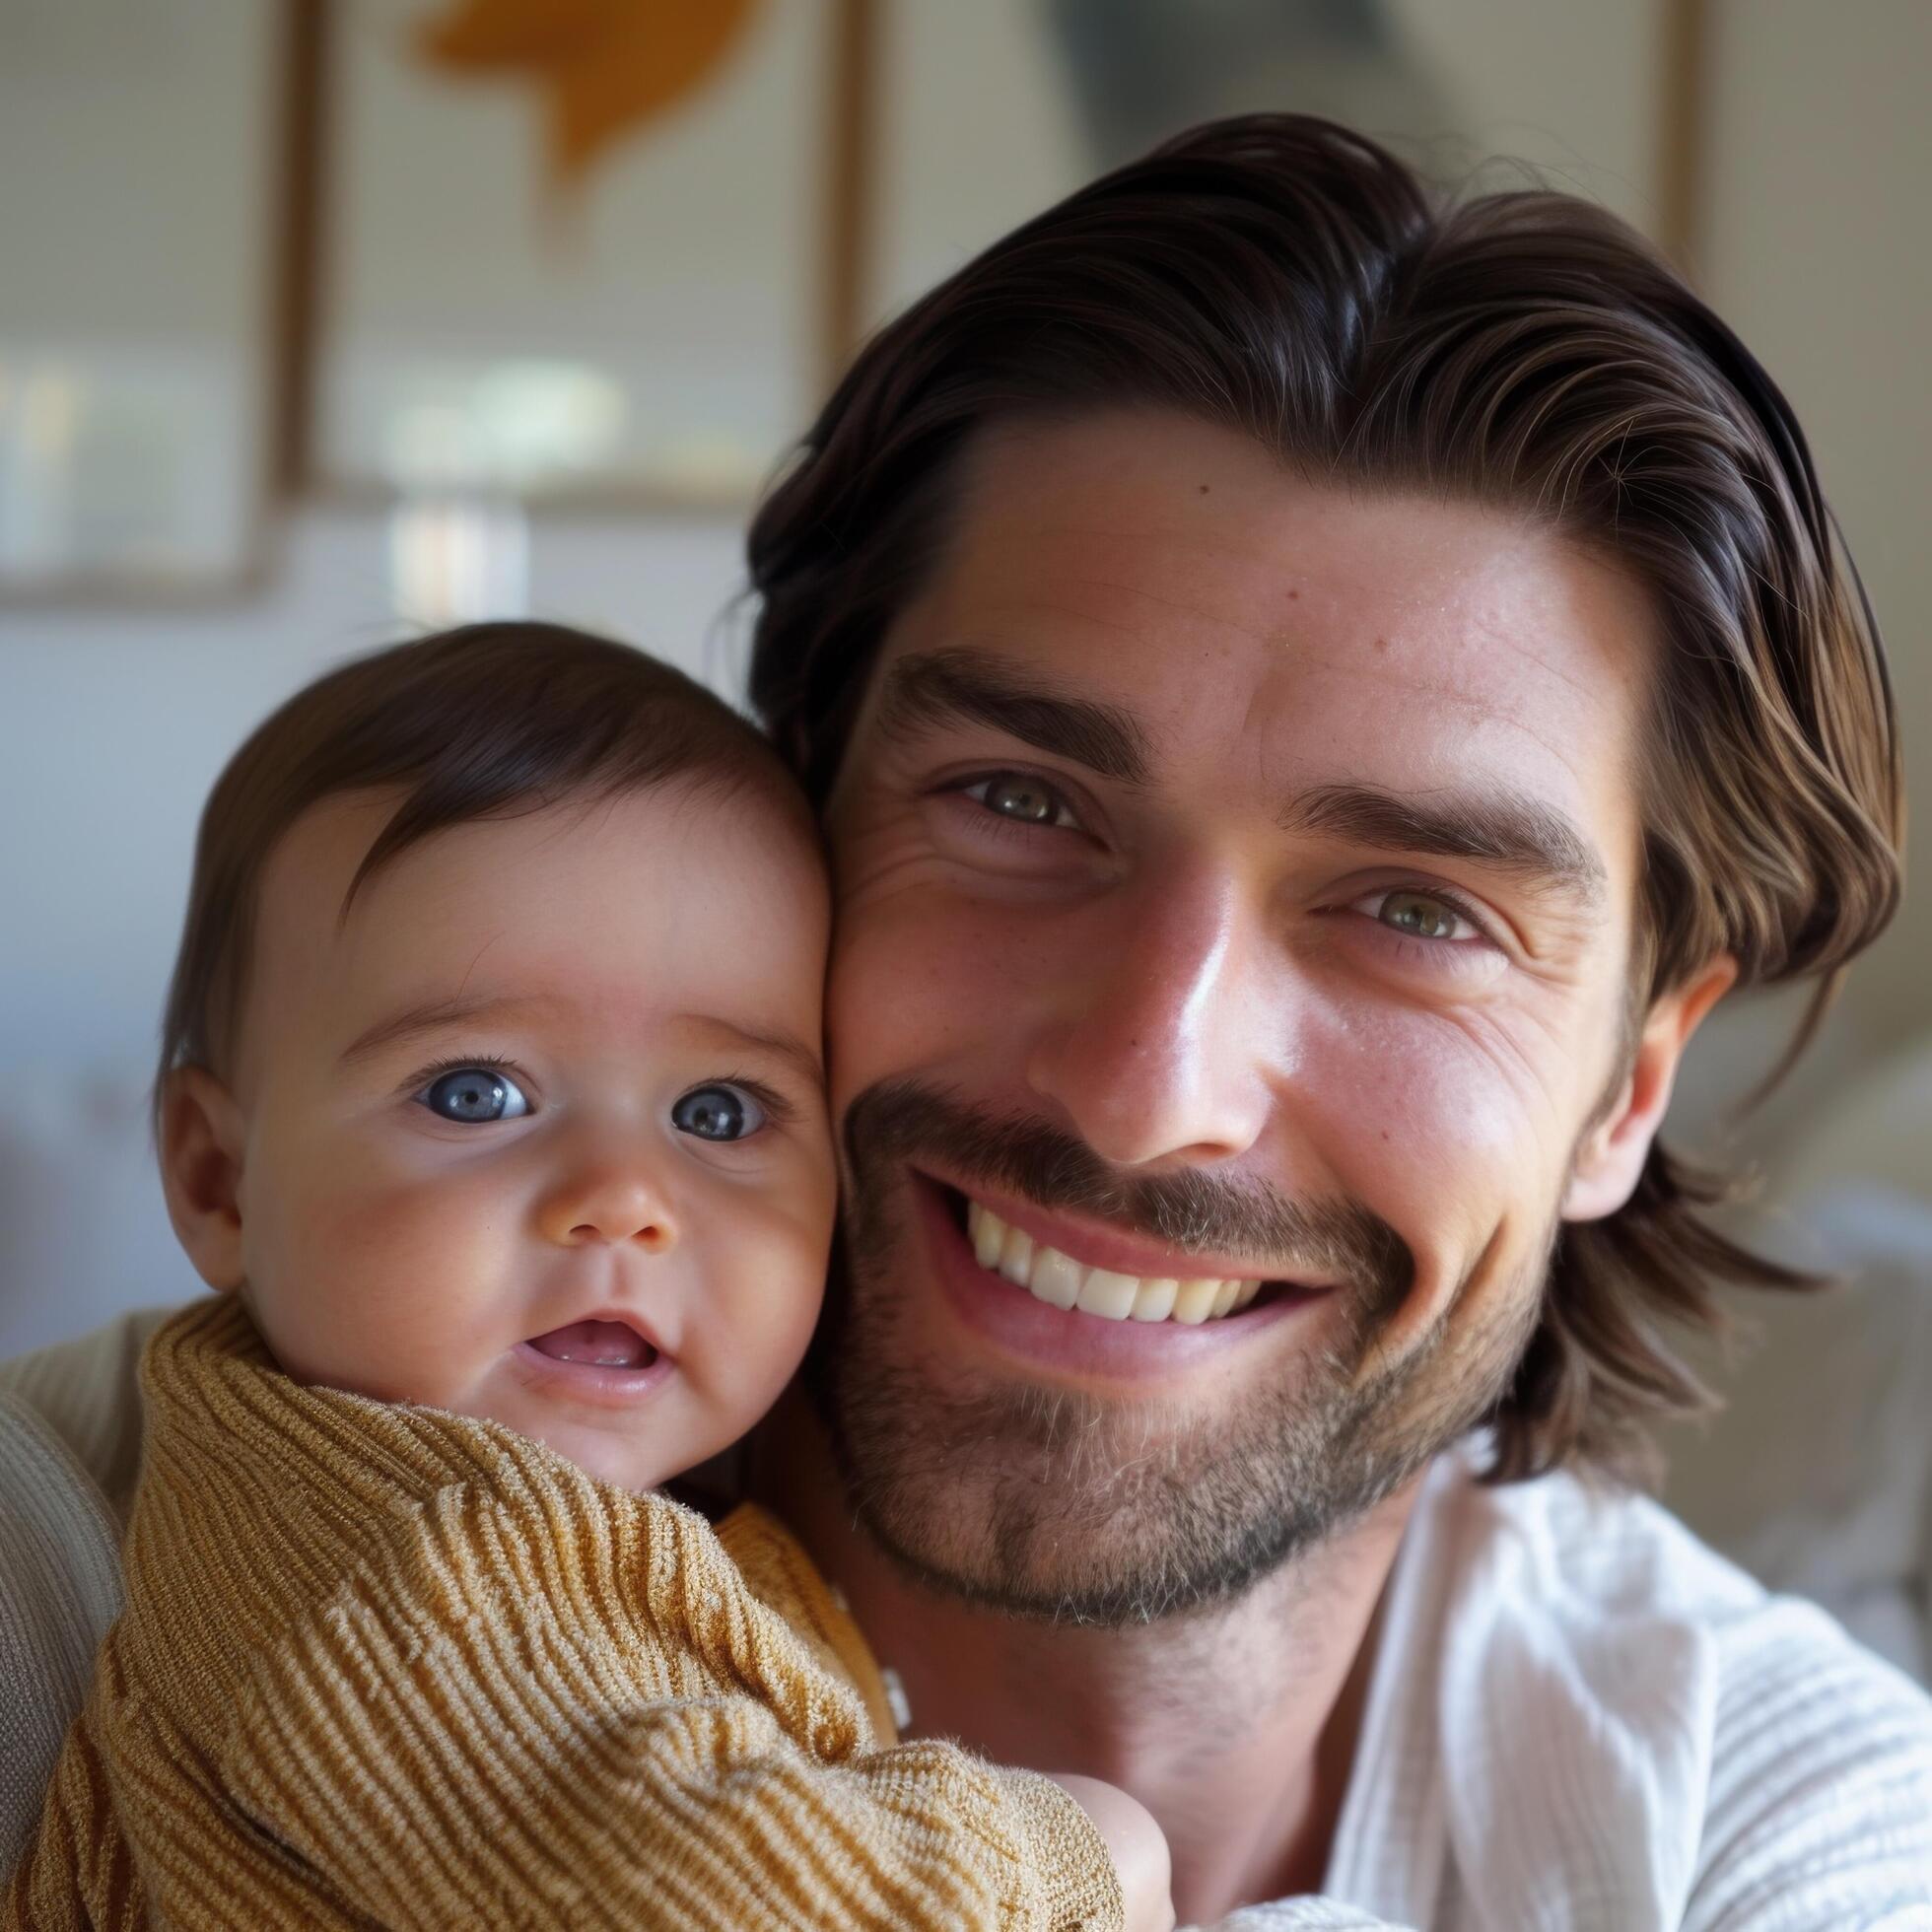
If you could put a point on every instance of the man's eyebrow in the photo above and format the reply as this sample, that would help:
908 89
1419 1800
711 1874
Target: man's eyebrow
1523 837
429 1016
940 687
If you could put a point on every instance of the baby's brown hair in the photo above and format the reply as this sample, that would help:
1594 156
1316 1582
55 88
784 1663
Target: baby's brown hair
475 723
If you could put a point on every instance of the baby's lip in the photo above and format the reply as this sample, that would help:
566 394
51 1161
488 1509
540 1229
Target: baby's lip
608 1339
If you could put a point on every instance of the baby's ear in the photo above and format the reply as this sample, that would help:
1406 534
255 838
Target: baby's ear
202 1139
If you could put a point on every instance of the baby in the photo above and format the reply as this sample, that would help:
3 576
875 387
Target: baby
491 1100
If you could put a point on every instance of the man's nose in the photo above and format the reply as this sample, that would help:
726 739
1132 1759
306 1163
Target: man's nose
610 1191
1157 1043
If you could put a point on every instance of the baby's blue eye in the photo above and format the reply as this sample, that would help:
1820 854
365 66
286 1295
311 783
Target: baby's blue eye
717 1112
474 1095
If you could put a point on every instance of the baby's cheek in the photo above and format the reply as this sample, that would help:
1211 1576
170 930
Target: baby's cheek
757 1332
388 1282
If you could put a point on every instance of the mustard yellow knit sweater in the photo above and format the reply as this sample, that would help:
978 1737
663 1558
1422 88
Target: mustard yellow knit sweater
388 1666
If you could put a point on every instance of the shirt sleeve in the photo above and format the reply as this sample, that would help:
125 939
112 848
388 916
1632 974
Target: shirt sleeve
59 1590
496 1762
1820 1807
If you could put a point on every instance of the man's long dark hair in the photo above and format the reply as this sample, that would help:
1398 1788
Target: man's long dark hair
1293 282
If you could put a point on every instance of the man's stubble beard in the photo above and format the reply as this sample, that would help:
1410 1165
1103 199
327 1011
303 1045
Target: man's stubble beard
1069 1506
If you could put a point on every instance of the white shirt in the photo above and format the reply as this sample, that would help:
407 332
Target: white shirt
1580 1717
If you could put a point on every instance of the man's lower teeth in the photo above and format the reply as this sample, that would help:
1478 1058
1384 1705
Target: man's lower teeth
1063 1282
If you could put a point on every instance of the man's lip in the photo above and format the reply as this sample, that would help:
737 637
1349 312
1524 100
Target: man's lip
1097 1244
1067 1344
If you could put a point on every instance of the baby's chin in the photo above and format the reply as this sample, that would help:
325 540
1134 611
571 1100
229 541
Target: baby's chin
624 1422
612 1463
605 1451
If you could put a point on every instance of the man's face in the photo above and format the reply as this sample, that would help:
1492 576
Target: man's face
1235 882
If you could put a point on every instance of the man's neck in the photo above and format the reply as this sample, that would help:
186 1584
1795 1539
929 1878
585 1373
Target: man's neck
1235 1727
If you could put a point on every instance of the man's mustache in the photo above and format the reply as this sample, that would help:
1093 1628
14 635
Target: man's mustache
1280 1238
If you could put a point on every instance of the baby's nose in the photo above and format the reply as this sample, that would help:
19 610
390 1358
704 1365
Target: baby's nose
608 1203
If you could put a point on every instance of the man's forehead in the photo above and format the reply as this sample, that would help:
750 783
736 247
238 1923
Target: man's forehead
1322 637
1151 528
1461 686
1189 488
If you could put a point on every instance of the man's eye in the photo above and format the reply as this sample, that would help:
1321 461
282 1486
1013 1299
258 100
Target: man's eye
1015 796
475 1096
1423 916
717 1113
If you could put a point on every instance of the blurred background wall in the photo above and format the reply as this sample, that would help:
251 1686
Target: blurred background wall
327 320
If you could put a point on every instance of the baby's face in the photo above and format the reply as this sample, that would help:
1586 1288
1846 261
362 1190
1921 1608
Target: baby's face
539 1134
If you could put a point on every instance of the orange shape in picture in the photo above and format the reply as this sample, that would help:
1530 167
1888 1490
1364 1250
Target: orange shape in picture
604 68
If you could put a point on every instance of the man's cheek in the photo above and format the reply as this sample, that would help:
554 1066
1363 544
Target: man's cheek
918 982
880 850
1416 1119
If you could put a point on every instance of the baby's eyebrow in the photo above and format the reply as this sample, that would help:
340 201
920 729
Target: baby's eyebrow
427 1018
781 1046
434 1015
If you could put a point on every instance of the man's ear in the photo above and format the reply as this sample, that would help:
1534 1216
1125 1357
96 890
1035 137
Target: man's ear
202 1139
1610 1159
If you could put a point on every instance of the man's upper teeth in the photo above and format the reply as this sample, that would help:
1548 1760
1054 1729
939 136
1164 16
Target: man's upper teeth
1051 1277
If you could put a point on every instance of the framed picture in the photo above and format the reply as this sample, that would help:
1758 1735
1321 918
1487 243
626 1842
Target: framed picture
1602 100
140 193
591 254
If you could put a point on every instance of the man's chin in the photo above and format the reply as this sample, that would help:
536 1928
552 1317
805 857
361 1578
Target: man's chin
1081 1507
1048 1506
1063 1483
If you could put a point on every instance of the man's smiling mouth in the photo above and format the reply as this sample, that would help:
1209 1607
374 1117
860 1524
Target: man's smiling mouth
1062 1281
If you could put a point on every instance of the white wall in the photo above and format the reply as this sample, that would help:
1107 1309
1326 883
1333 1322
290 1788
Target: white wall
1819 253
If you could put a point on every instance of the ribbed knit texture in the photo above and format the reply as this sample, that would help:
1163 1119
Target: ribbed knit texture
61 1590
88 1393
70 1427
387 1664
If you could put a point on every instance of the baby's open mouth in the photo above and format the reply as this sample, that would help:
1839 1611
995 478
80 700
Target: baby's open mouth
596 1344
